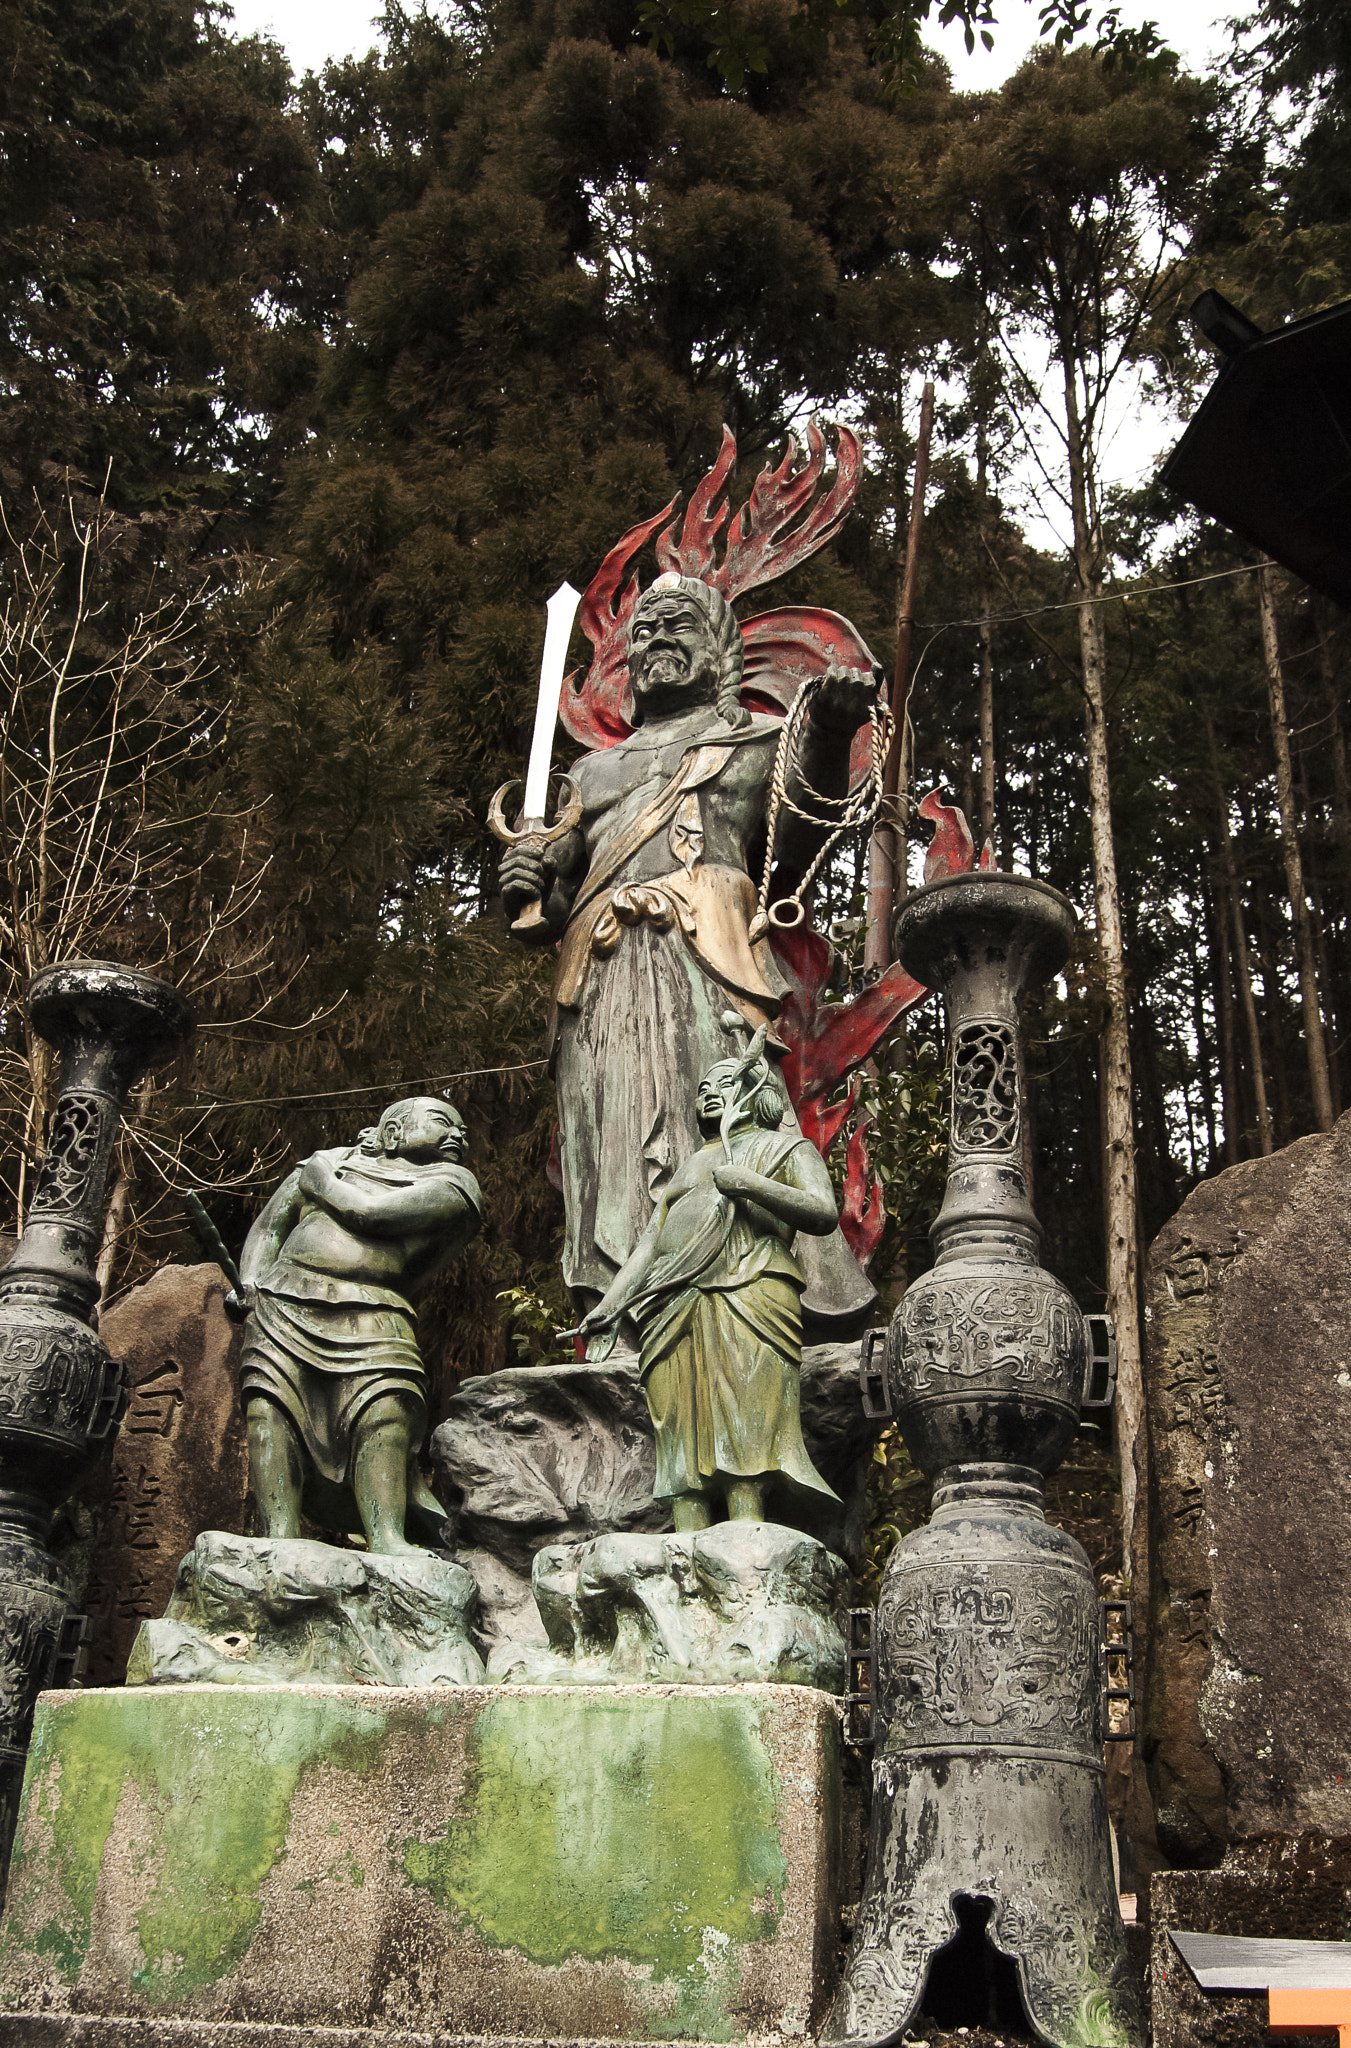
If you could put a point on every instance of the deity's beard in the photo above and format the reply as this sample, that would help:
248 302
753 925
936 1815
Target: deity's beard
669 684
666 668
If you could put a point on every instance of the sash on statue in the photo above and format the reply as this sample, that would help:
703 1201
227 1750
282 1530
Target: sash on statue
742 977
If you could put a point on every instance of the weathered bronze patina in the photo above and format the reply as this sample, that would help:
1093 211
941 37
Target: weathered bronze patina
331 1376
61 1394
652 898
715 1290
990 1843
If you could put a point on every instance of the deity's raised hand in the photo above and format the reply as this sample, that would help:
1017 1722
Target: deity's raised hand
844 697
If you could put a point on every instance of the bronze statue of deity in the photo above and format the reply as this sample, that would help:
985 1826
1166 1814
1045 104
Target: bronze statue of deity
715 1288
650 899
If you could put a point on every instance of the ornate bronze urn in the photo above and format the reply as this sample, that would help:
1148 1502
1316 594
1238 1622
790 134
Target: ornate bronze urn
61 1393
990 1851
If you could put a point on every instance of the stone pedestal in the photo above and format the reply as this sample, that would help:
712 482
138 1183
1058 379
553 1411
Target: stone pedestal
737 1603
259 1610
635 1864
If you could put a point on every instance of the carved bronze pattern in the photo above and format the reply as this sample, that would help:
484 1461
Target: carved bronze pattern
986 1115
1011 1661
56 1377
30 1629
74 1146
1022 1326
61 1393
989 1782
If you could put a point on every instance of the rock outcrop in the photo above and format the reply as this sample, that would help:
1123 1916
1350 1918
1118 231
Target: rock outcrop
1247 1714
547 1455
740 1603
258 1610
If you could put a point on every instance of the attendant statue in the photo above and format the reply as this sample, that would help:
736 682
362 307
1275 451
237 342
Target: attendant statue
332 1380
715 1291
652 899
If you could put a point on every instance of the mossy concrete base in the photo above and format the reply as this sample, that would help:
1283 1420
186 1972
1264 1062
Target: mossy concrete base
638 1863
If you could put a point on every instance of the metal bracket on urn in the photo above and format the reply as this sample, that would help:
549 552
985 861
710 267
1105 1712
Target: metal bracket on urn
1100 1384
995 1673
859 1728
873 1384
61 1393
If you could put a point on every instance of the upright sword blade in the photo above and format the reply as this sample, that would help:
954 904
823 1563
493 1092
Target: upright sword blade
562 610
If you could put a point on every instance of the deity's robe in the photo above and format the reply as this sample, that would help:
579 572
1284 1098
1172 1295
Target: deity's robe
656 949
721 1321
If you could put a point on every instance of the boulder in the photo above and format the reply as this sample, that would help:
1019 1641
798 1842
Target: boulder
740 1603
547 1455
1247 1708
541 1454
179 1463
259 1610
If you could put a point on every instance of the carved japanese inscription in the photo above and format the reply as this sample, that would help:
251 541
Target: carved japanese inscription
180 1464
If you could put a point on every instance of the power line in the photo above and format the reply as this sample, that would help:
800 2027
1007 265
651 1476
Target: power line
372 1088
1075 604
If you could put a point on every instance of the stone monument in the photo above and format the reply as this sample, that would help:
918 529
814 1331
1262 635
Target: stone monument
179 1464
1246 1715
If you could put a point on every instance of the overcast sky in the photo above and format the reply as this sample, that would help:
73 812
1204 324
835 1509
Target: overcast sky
311 30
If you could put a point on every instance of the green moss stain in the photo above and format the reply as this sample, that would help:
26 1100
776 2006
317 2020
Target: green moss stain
644 1828
215 1776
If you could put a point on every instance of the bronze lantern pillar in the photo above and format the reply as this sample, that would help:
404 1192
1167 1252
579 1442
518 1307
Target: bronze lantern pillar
62 1394
990 1835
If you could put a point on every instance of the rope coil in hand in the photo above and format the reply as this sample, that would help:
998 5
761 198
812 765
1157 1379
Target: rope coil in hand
853 812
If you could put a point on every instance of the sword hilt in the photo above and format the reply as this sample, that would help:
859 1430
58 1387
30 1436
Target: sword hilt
532 835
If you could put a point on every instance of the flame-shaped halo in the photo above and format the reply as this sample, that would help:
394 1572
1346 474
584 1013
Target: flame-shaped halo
775 529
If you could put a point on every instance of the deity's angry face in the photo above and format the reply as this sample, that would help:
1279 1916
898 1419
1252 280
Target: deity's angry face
424 1127
674 656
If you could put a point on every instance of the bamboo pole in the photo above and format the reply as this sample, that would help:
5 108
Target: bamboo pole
886 854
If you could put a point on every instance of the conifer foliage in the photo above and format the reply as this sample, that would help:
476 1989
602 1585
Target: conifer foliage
371 363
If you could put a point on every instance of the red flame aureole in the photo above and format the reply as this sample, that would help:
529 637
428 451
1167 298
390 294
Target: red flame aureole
763 541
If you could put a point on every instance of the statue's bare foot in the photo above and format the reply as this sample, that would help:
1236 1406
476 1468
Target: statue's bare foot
384 1544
